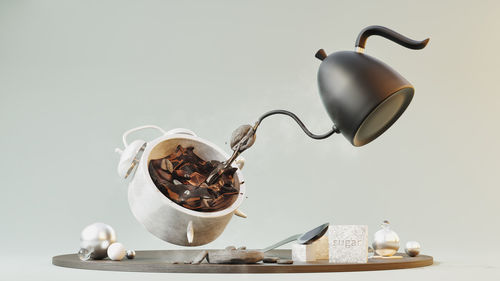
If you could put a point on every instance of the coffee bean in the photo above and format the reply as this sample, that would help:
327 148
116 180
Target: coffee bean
167 165
205 204
163 164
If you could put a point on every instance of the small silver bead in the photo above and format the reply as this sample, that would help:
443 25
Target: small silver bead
96 238
130 254
412 248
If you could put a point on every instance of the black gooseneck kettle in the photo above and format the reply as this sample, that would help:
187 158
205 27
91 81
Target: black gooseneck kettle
362 95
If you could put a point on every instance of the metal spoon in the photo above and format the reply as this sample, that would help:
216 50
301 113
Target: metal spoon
305 238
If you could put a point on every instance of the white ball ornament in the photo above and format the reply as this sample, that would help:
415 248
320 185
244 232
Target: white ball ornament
116 251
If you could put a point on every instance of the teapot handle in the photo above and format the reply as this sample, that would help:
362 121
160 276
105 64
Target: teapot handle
180 131
388 34
140 128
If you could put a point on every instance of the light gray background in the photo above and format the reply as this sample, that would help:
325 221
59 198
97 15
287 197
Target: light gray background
75 75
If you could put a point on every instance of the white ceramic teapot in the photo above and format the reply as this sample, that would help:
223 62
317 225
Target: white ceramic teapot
160 215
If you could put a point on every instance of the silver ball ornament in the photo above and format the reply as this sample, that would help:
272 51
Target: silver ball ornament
95 239
130 254
385 241
84 254
412 248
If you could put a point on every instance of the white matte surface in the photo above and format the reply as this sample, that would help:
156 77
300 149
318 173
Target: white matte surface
318 250
303 253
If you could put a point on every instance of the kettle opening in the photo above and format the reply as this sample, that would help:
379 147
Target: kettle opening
383 116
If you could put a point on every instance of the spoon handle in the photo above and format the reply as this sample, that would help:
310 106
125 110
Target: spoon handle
282 242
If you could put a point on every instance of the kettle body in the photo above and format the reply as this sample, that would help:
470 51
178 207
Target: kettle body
353 85
362 95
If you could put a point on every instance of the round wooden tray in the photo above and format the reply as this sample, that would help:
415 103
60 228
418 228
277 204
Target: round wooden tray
162 261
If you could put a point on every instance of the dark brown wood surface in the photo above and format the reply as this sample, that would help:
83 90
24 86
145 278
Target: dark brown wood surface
162 261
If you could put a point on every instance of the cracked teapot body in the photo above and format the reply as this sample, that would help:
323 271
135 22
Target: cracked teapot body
164 218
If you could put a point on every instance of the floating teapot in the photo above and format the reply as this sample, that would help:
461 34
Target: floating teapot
161 216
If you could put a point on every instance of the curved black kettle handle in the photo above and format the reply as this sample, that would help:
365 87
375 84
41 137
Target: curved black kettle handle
389 34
